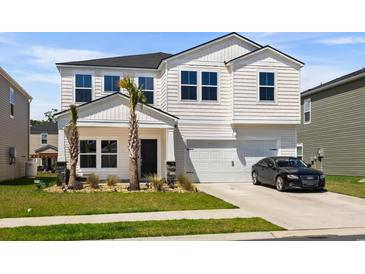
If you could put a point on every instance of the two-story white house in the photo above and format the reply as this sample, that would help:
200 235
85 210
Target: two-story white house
214 109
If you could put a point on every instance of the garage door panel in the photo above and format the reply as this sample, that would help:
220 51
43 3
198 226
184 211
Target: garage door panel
224 161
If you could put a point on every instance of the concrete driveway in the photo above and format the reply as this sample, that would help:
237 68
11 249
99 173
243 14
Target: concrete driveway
292 210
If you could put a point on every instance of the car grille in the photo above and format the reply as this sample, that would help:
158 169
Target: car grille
309 180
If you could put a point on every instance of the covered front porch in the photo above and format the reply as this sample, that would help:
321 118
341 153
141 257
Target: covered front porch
103 129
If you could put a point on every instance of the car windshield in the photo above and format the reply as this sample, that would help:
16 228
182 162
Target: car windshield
291 162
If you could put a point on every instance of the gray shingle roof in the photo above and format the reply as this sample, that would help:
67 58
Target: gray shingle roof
149 61
44 127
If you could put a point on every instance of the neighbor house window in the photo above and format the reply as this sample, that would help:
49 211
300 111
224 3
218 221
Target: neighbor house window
189 85
109 150
307 111
209 86
88 153
44 138
146 84
12 102
267 86
111 83
300 151
83 88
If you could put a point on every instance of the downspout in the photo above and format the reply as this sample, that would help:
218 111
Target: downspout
30 100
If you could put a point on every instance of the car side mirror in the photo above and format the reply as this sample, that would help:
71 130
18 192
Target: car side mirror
309 165
271 166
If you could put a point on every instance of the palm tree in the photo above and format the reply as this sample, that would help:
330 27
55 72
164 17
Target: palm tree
135 96
72 134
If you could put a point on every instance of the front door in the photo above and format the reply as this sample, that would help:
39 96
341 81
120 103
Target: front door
148 157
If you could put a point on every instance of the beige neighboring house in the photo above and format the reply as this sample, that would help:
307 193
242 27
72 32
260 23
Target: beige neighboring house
212 110
43 144
14 127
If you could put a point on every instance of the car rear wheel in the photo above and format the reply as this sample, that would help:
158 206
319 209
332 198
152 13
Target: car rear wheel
280 186
255 181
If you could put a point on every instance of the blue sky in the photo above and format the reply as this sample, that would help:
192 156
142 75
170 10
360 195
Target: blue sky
30 57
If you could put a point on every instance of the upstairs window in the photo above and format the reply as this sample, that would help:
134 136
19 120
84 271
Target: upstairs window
12 102
109 150
88 153
209 86
146 84
307 111
189 85
83 88
111 83
267 86
44 138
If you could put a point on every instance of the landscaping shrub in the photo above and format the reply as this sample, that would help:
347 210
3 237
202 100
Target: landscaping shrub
185 183
93 180
112 180
156 182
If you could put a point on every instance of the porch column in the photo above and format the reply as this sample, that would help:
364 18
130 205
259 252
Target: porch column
61 145
170 148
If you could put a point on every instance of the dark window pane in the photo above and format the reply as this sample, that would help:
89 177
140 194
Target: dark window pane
307 116
116 80
189 77
149 83
79 80
213 78
209 93
12 109
83 95
141 82
149 96
184 77
263 78
205 78
88 161
188 93
266 94
109 146
109 161
209 78
87 146
107 83
87 81
270 78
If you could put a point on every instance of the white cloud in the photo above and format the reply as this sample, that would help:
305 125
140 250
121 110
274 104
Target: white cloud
51 78
4 39
343 40
314 75
50 56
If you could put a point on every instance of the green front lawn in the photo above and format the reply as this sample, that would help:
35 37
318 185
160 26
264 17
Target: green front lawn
19 195
74 232
348 185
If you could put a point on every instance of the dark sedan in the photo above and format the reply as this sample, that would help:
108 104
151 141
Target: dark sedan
287 173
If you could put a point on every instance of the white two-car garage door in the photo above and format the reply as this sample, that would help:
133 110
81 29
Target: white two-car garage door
226 161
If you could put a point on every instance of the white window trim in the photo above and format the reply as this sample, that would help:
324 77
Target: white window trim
149 90
96 154
199 86
266 102
12 101
44 133
85 72
152 75
310 111
110 73
296 151
108 153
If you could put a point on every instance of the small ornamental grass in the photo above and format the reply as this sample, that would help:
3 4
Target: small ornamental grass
185 183
112 180
93 180
157 183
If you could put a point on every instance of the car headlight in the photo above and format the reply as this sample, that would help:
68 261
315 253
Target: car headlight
322 176
292 176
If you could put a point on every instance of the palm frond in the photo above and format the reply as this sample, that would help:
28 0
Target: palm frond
134 92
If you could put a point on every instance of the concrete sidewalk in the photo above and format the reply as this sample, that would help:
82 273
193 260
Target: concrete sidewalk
121 217
272 235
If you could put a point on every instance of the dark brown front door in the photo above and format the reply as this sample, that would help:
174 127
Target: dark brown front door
148 157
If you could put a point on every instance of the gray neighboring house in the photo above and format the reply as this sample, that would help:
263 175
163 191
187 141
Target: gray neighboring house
332 132
14 127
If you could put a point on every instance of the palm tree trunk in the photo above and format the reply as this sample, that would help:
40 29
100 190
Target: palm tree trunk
74 152
133 147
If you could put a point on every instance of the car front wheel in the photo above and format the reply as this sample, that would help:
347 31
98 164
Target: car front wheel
255 181
280 186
